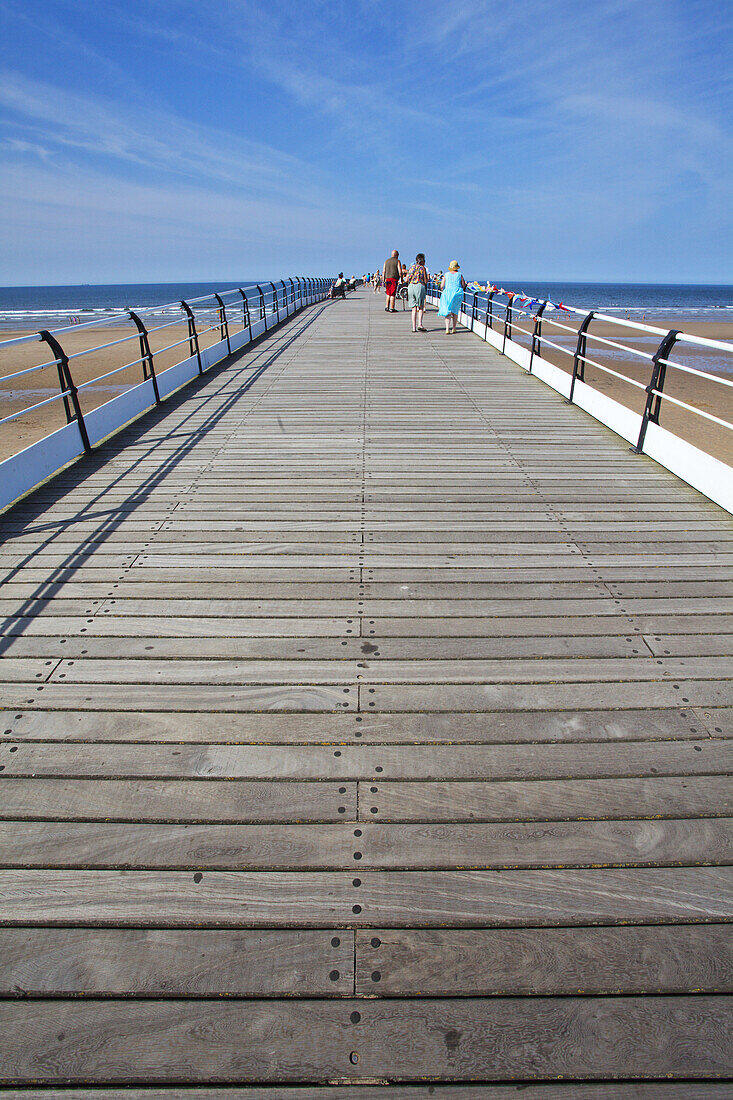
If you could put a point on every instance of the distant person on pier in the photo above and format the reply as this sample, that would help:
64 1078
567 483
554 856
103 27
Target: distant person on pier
452 285
391 274
417 288
338 289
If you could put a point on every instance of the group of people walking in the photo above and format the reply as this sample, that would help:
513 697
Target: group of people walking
416 279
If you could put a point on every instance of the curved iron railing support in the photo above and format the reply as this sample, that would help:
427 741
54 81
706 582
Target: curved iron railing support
263 315
490 310
536 348
653 405
223 321
507 323
275 301
578 358
246 315
146 354
193 336
67 387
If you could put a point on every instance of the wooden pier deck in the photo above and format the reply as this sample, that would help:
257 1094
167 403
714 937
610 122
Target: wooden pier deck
367 724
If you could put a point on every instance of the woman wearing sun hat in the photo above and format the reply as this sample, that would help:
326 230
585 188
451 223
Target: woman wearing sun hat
452 285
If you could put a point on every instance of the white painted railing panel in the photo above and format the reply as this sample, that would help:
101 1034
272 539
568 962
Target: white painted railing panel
23 471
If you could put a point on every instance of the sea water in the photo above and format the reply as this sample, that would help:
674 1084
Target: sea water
34 307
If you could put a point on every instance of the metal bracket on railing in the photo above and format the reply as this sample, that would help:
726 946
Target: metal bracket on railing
146 354
193 336
536 334
277 306
507 323
67 384
223 322
653 405
578 358
246 315
263 316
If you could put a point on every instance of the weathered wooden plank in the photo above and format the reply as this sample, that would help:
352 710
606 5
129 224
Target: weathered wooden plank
373 898
630 843
378 762
489 962
501 726
608 1090
463 625
494 1038
548 800
490 697
217 698
380 671
176 800
45 962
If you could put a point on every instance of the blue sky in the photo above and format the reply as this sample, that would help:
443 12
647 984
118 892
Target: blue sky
157 140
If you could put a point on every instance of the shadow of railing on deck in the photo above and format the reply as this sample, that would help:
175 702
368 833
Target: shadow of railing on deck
10 627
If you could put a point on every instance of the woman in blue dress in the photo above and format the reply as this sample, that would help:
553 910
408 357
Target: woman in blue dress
452 286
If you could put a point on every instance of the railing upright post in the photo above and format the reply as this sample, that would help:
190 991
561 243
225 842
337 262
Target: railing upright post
146 354
507 322
246 315
536 334
292 294
223 322
653 405
263 315
473 309
67 383
193 336
277 307
579 357
299 293
490 311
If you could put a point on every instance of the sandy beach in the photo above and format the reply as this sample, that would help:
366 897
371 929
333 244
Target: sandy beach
39 385
700 393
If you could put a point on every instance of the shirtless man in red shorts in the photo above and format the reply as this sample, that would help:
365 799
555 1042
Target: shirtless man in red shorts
391 275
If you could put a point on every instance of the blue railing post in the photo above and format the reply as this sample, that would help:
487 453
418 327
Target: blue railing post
653 404
146 354
193 336
67 386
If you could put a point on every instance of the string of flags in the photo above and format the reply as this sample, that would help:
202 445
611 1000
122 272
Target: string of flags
523 299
